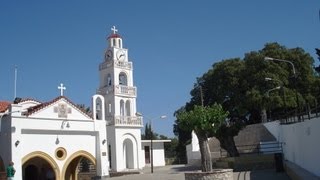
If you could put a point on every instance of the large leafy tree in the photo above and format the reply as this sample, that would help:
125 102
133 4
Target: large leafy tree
240 86
205 121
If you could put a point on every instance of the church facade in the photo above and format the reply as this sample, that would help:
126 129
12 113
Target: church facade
52 138
59 140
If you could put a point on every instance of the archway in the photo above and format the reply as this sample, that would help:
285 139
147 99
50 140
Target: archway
78 163
128 154
39 165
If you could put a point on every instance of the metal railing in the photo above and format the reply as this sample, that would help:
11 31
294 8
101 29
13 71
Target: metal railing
298 115
269 147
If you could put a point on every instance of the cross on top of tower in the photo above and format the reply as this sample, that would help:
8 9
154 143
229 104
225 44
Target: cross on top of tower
114 29
62 88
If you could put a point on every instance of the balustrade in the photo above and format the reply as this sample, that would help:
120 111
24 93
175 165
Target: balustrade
119 64
125 121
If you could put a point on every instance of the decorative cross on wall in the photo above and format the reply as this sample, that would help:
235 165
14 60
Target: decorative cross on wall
62 88
114 29
63 110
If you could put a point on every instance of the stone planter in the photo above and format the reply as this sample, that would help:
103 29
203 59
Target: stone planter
215 174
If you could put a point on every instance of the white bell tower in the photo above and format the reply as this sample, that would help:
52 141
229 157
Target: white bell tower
123 126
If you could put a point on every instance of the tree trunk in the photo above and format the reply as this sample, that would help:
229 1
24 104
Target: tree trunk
264 117
206 163
227 143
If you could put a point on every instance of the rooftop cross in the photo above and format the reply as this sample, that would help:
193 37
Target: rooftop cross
62 88
114 29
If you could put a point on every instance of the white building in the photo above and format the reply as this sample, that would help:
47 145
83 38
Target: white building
52 136
55 136
123 126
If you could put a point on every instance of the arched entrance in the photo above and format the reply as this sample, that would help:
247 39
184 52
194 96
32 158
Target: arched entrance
39 165
128 154
79 164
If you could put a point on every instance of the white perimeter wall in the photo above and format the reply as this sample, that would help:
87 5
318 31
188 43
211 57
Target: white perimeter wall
300 143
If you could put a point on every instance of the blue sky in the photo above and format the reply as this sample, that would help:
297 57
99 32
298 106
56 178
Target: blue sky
170 43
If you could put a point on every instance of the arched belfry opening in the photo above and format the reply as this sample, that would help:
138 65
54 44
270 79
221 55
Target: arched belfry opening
128 109
98 107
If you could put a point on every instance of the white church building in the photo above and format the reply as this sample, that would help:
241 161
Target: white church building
53 138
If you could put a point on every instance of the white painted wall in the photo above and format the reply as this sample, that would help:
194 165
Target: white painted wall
193 150
158 151
117 135
301 143
40 131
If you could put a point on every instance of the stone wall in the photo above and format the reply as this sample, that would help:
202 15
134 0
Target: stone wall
216 174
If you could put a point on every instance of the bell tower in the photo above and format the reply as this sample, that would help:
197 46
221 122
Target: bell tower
116 86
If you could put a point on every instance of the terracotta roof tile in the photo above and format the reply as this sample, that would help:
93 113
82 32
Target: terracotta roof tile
4 105
114 36
36 108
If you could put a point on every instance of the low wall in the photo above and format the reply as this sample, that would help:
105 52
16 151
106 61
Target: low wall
297 173
216 174
299 142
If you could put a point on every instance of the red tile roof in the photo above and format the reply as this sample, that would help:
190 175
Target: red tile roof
36 108
4 105
114 36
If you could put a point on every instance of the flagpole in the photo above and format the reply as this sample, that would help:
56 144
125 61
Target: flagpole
15 81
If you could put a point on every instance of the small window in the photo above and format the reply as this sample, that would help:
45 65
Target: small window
61 153
123 79
109 82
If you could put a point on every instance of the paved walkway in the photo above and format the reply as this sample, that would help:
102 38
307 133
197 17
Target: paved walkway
176 172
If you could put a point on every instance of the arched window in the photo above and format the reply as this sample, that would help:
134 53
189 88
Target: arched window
120 43
114 42
109 82
109 110
128 113
121 107
123 79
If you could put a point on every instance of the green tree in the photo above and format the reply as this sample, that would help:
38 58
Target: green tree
148 133
205 121
318 53
184 136
240 86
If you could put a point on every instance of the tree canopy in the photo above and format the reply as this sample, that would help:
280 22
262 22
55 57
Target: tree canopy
205 121
240 86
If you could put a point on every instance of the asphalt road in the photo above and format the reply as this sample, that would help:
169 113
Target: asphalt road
176 172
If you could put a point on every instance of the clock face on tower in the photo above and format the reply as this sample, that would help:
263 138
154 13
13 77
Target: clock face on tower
108 55
121 55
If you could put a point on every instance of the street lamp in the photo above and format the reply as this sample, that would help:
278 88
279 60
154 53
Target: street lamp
294 74
276 88
284 94
151 138
282 60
